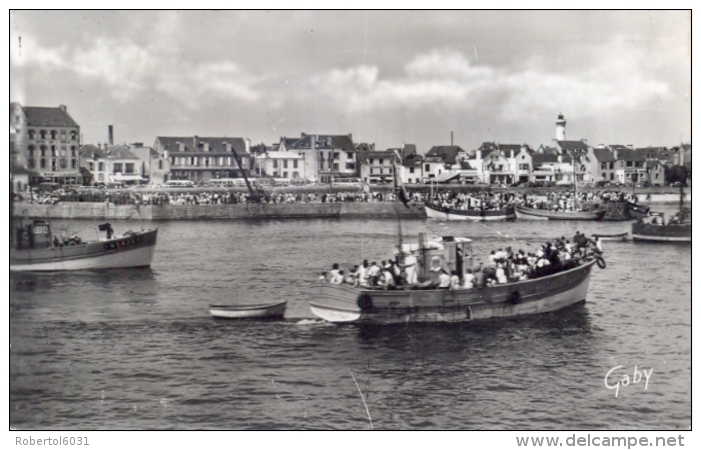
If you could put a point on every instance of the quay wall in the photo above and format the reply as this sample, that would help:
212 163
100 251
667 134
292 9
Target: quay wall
107 212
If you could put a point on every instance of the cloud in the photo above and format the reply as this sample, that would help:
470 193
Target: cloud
127 70
448 79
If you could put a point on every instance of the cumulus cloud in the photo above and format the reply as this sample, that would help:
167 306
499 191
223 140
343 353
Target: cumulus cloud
128 69
449 79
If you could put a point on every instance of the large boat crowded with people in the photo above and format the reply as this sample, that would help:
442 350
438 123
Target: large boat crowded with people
434 281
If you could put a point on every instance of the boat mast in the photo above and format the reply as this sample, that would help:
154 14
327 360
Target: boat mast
255 195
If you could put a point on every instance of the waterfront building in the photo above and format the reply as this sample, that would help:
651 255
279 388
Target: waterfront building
606 164
442 158
111 164
154 166
201 159
326 157
47 142
279 164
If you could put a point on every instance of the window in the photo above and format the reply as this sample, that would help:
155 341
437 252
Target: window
411 170
628 175
284 165
284 174
73 150
603 166
294 164
74 135
30 151
31 163
380 170
160 165
611 175
427 167
129 168
42 163
53 150
74 163
117 167
629 163
63 134
53 134
42 134
523 166
101 167
350 166
349 155
335 155
274 163
382 161
657 176
31 133
63 150
91 166
611 165
53 165
371 160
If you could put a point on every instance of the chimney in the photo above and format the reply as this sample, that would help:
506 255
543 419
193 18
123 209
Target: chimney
478 154
228 147
206 147
248 145
165 154
181 146
451 138
110 134
63 108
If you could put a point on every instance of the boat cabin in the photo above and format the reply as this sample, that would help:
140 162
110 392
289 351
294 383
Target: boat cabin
449 253
33 236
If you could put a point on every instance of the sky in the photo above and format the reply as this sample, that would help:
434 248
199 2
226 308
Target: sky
386 77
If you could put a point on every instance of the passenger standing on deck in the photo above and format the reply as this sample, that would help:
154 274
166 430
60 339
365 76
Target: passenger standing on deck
410 268
443 280
373 273
363 273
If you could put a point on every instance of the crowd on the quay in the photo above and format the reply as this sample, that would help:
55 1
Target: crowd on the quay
486 200
504 266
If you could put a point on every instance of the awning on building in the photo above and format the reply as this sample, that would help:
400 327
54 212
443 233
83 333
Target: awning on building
446 176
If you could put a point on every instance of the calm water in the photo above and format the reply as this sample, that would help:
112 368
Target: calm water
137 349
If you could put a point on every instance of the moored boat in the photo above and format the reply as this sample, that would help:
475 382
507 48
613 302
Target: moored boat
612 237
677 228
341 303
262 310
434 211
523 212
35 248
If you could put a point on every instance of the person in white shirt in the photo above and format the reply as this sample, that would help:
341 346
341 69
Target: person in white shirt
469 281
410 268
373 273
444 280
501 276
454 280
363 273
338 278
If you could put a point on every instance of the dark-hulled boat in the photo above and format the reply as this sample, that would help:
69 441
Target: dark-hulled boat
345 303
677 229
35 249
434 211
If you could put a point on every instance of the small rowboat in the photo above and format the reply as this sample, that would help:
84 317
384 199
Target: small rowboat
261 310
612 237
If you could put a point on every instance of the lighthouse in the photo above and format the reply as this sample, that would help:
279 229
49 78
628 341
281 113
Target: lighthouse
560 127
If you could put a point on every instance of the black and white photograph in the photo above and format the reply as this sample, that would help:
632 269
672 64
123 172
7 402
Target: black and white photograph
351 220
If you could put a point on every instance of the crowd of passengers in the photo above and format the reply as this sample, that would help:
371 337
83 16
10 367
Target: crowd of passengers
504 266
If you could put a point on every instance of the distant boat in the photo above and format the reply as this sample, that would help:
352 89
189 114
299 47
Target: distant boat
35 248
677 229
261 310
523 212
438 212
612 237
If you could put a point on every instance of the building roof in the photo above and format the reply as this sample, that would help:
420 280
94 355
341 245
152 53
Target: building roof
196 144
323 141
542 158
112 152
283 155
448 153
627 154
547 150
569 146
604 155
48 117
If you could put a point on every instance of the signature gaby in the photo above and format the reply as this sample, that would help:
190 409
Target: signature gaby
626 380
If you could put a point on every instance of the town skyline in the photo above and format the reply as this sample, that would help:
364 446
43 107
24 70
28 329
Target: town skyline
386 77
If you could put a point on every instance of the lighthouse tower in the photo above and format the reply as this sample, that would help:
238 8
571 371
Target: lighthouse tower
560 127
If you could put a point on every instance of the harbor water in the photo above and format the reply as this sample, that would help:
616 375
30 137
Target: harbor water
138 350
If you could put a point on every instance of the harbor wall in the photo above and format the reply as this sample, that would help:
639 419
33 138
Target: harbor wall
107 212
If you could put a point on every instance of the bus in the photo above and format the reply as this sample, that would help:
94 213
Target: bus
351 182
180 183
231 182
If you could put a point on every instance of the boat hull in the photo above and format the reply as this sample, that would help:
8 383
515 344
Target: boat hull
136 250
339 303
661 233
544 214
269 310
436 212
612 237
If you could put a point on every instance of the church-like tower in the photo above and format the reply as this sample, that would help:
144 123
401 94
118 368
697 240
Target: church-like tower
560 127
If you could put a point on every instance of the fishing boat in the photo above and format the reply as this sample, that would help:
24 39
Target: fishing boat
434 211
523 212
262 310
654 229
342 303
612 237
36 248
637 210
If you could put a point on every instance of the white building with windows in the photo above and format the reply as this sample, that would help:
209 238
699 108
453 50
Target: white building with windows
111 164
278 164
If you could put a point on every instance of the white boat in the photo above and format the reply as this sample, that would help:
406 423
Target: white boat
262 310
434 211
612 237
35 248
523 212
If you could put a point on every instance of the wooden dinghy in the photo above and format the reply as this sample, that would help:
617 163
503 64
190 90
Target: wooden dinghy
261 310
612 237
